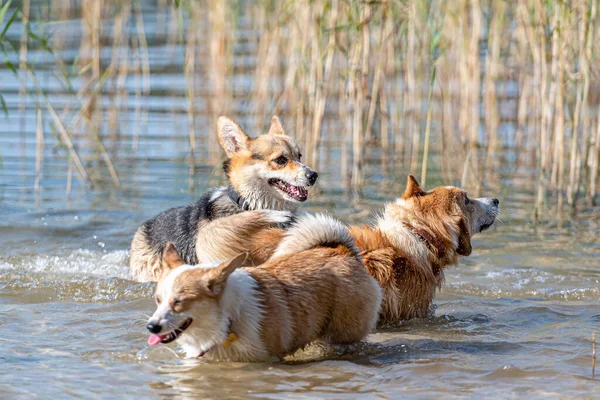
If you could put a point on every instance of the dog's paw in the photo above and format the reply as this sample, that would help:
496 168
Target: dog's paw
283 218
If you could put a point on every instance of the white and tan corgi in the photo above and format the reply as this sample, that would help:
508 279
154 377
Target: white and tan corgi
313 288
264 173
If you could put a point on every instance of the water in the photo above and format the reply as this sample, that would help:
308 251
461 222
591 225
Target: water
515 319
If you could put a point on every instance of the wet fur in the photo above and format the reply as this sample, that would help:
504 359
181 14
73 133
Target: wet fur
248 168
408 268
309 291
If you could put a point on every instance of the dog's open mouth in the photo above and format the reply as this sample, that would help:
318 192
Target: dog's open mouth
155 339
298 193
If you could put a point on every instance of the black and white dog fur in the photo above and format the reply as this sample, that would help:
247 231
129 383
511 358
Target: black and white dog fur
266 176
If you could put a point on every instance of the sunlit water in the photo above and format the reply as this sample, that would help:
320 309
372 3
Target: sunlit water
515 319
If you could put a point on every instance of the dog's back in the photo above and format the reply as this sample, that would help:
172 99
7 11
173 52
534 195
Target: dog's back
323 293
178 225
317 288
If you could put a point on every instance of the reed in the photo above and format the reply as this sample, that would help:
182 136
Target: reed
593 355
481 83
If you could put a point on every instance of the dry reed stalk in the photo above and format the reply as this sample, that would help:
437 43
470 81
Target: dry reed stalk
525 92
377 84
432 75
388 71
536 38
122 70
345 136
474 69
559 123
587 123
492 64
119 38
447 131
522 115
461 25
593 355
219 37
321 89
355 89
105 157
427 135
265 64
313 80
61 129
144 63
581 96
190 79
465 171
136 70
367 18
593 191
39 150
89 50
412 99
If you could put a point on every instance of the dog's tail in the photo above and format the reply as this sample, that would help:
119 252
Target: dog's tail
319 230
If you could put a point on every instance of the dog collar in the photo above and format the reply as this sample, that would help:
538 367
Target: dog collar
430 240
231 337
237 199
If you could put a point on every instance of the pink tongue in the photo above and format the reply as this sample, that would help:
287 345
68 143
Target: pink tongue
153 340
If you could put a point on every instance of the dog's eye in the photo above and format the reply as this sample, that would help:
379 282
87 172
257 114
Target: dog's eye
299 156
281 160
467 201
157 299
176 302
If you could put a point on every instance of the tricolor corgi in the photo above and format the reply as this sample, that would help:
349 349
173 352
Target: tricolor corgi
264 173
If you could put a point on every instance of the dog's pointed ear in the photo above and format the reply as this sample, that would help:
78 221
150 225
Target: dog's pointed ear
464 239
276 126
171 258
216 281
231 136
412 188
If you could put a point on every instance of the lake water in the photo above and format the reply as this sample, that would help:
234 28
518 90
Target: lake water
513 320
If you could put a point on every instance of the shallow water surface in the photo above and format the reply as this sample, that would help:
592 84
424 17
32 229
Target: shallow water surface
514 319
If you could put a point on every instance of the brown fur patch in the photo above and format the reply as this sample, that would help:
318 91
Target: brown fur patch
226 237
318 294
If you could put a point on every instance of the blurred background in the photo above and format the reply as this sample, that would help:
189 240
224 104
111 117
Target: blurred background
115 95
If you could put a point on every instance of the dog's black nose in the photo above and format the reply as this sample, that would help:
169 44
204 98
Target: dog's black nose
153 328
496 202
312 176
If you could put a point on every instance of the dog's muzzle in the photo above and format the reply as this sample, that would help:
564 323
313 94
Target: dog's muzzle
491 207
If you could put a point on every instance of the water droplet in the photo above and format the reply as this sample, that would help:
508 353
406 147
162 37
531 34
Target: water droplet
101 244
95 237
76 218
